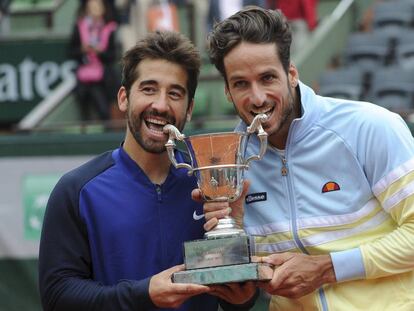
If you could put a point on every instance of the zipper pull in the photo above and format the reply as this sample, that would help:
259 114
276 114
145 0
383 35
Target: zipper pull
159 191
284 167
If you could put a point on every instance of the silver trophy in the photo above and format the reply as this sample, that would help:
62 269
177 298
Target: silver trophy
218 162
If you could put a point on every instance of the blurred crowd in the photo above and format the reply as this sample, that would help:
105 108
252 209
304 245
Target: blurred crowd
136 17
105 29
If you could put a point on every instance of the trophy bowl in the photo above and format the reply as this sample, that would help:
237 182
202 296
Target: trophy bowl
218 165
217 161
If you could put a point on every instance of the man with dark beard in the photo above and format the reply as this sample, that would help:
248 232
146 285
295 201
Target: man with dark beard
331 202
114 227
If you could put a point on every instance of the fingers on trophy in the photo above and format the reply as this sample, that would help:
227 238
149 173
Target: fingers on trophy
218 162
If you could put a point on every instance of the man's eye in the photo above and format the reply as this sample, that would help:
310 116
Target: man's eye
239 84
148 90
175 95
269 78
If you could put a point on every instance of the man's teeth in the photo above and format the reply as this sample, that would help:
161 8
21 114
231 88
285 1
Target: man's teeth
156 121
267 112
155 124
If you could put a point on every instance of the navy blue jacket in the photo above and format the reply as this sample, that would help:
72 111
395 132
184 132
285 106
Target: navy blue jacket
108 229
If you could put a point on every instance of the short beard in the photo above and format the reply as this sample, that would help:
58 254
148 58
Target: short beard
287 113
147 146
134 126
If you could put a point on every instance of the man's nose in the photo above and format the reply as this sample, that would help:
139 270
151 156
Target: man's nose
161 103
257 96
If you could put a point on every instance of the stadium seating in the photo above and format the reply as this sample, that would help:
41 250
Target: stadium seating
393 88
367 50
344 83
404 49
378 65
393 14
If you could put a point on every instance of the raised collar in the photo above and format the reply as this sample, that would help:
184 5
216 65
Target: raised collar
132 168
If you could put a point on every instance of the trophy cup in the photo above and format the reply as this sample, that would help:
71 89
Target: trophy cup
217 160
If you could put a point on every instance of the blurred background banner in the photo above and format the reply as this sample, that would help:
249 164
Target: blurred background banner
36 189
30 70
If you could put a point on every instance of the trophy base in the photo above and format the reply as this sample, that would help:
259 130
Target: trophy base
225 274
210 253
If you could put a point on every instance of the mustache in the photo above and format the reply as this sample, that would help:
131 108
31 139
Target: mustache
154 113
267 104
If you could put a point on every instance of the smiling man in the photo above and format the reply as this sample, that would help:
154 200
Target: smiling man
114 227
331 202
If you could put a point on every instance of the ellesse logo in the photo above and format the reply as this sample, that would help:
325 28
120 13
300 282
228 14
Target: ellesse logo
256 197
330 186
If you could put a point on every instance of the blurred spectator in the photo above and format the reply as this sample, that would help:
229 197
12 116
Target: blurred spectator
219 10
93 45
127 28
137 17
162 15
111 5
302 16
4 17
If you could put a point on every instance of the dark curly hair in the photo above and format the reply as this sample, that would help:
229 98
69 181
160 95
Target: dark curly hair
252 24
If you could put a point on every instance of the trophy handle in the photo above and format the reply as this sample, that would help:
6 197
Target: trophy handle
256 125
174 133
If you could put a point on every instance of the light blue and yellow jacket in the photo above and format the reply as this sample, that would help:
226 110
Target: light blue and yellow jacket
343 186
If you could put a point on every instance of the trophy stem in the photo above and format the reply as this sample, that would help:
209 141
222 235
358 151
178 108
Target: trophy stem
226 227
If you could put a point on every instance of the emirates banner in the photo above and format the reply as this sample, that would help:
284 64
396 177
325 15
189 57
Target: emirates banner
29 70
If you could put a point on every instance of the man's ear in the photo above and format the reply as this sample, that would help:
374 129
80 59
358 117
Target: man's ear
122 99
293 75
228 95
190 110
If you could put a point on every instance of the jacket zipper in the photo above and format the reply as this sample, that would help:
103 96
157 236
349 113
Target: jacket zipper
159 192
284 166
295 234
293 216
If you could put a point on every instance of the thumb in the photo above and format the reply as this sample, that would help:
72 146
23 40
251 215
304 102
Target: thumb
277 259
197 196
238 205
174 269
246 186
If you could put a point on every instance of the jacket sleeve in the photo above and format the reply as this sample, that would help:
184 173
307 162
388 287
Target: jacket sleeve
389 166
65 270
